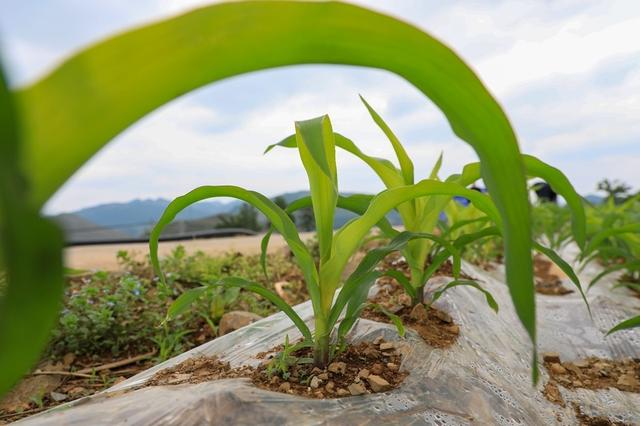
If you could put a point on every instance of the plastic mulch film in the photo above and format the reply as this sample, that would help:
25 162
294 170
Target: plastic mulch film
484 378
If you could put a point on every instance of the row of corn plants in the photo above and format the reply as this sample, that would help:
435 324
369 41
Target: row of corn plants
51 127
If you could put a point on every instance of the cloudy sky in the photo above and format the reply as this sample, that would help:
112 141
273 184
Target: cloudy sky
567 73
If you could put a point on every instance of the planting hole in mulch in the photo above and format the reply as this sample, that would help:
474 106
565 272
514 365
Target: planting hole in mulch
436 327
363 368
548 278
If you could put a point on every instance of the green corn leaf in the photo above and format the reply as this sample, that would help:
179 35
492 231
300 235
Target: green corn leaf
403 281
455 283
396 320
182 303
278 218
264 245
94 95
596 241
630 266
406 165
565 267
436 167
316 146
357 296
626 325
271 297
561 185
30 259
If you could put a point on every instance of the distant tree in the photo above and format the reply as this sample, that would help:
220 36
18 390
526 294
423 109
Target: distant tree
615 189
247 217
305 219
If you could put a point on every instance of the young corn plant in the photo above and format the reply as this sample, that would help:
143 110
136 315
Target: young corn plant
421 214
330 298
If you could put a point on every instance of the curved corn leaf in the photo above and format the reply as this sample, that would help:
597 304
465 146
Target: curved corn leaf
565 267
598 239
264 245
396 320
535 167
358 291
455 283
185 300
316 146
631 266
30 259
561 185
403 281
626 325
271 297
406 165
65 122
278 217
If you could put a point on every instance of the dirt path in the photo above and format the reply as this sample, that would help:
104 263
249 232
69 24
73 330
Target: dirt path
104 256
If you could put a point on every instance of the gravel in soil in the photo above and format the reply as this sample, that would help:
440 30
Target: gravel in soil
363 368
591 373
547 278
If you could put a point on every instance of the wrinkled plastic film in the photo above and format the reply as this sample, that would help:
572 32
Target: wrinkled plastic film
484 378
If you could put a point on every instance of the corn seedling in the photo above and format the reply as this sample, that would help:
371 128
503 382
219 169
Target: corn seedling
316 147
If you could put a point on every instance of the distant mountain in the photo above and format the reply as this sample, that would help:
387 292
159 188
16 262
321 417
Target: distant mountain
594 199
136 216
78 230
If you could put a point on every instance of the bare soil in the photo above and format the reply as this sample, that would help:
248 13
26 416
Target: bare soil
436 327
592 373
363 368
548 278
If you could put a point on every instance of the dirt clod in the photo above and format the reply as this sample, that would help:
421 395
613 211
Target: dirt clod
357 389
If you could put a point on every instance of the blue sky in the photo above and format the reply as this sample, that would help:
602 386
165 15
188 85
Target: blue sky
567 73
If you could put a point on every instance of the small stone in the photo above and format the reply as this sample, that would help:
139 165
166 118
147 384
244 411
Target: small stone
418 313
234 320
393 367
284 387
377 383
443 316
581 363
275 380
178 378
76 390
364 373
57 396
558 369
356 389
577 383
342 392
453 329
551 357
627 380
378 340
315 382
404 299
377 368
323 376
316 370
338 367
329 387
386 346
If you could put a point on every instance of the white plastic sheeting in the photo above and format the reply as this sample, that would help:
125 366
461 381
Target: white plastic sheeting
484 378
